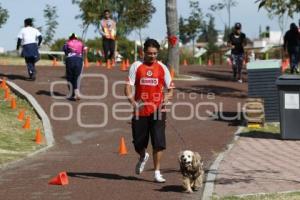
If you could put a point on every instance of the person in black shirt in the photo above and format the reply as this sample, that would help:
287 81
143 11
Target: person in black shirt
291 43
237 41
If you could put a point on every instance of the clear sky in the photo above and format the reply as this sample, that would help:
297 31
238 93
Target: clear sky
245 12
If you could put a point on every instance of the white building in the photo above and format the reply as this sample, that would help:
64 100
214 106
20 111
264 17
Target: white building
276 38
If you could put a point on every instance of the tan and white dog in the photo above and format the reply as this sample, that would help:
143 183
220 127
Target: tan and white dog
191 167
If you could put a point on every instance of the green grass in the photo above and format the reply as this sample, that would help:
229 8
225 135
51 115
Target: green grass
11 60
270 130
16 142
273 196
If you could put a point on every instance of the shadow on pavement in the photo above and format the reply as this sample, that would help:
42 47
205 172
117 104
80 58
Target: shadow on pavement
232 118
214 90
213 75
89 175
171 188
48 93
260 134
14 77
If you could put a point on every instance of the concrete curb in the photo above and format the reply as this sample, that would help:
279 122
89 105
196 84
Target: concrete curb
213 170
41 113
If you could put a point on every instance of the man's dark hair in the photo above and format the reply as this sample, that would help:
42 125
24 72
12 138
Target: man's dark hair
73 36
106 10
293 27
28 22
151 43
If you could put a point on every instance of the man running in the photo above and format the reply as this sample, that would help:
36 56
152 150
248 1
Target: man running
291 42
237 41
31 39
149 78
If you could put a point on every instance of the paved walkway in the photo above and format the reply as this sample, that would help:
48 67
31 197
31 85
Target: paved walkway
90 155
259 164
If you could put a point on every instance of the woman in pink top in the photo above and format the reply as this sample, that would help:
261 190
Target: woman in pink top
74 50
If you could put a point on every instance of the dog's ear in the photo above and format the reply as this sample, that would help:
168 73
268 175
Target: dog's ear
179 156
196 162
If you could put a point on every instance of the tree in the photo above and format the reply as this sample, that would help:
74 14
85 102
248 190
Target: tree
209 33
194 22
3 16
280 7
125 12
172 30
227 4
183 33
50 13
58 44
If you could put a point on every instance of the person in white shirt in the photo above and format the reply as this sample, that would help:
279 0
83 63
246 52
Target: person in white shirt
30 38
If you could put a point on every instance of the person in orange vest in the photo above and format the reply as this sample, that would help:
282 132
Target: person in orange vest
108 32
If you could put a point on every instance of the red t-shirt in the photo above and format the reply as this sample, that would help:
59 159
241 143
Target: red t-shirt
149 82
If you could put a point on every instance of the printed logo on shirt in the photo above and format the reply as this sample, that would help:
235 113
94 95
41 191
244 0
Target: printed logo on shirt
149 73
149 81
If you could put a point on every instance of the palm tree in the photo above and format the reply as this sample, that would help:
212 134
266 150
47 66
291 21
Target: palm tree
172 31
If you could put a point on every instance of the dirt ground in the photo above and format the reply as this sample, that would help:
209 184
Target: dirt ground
90 154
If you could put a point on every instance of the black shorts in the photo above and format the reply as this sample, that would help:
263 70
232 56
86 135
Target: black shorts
145 126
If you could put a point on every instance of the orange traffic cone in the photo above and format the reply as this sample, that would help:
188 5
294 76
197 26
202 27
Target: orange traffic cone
27 123
185 62
172 72
98 64
3 84
284 65
108 64
54 62
123 66
86 62
21 115
13 103
127 63
60 179
122 149
113 63
6 94
38 136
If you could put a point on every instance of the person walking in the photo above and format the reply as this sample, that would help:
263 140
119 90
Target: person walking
74 50
30 38
291 42
108 32
237 41
149 78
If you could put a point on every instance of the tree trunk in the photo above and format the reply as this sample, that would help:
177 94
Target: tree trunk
172 30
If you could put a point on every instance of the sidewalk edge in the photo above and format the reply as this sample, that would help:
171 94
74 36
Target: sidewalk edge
213 170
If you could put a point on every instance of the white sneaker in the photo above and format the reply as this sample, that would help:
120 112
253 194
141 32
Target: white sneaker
139 168
158 177
240 81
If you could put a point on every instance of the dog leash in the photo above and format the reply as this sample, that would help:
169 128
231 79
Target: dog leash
178 133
